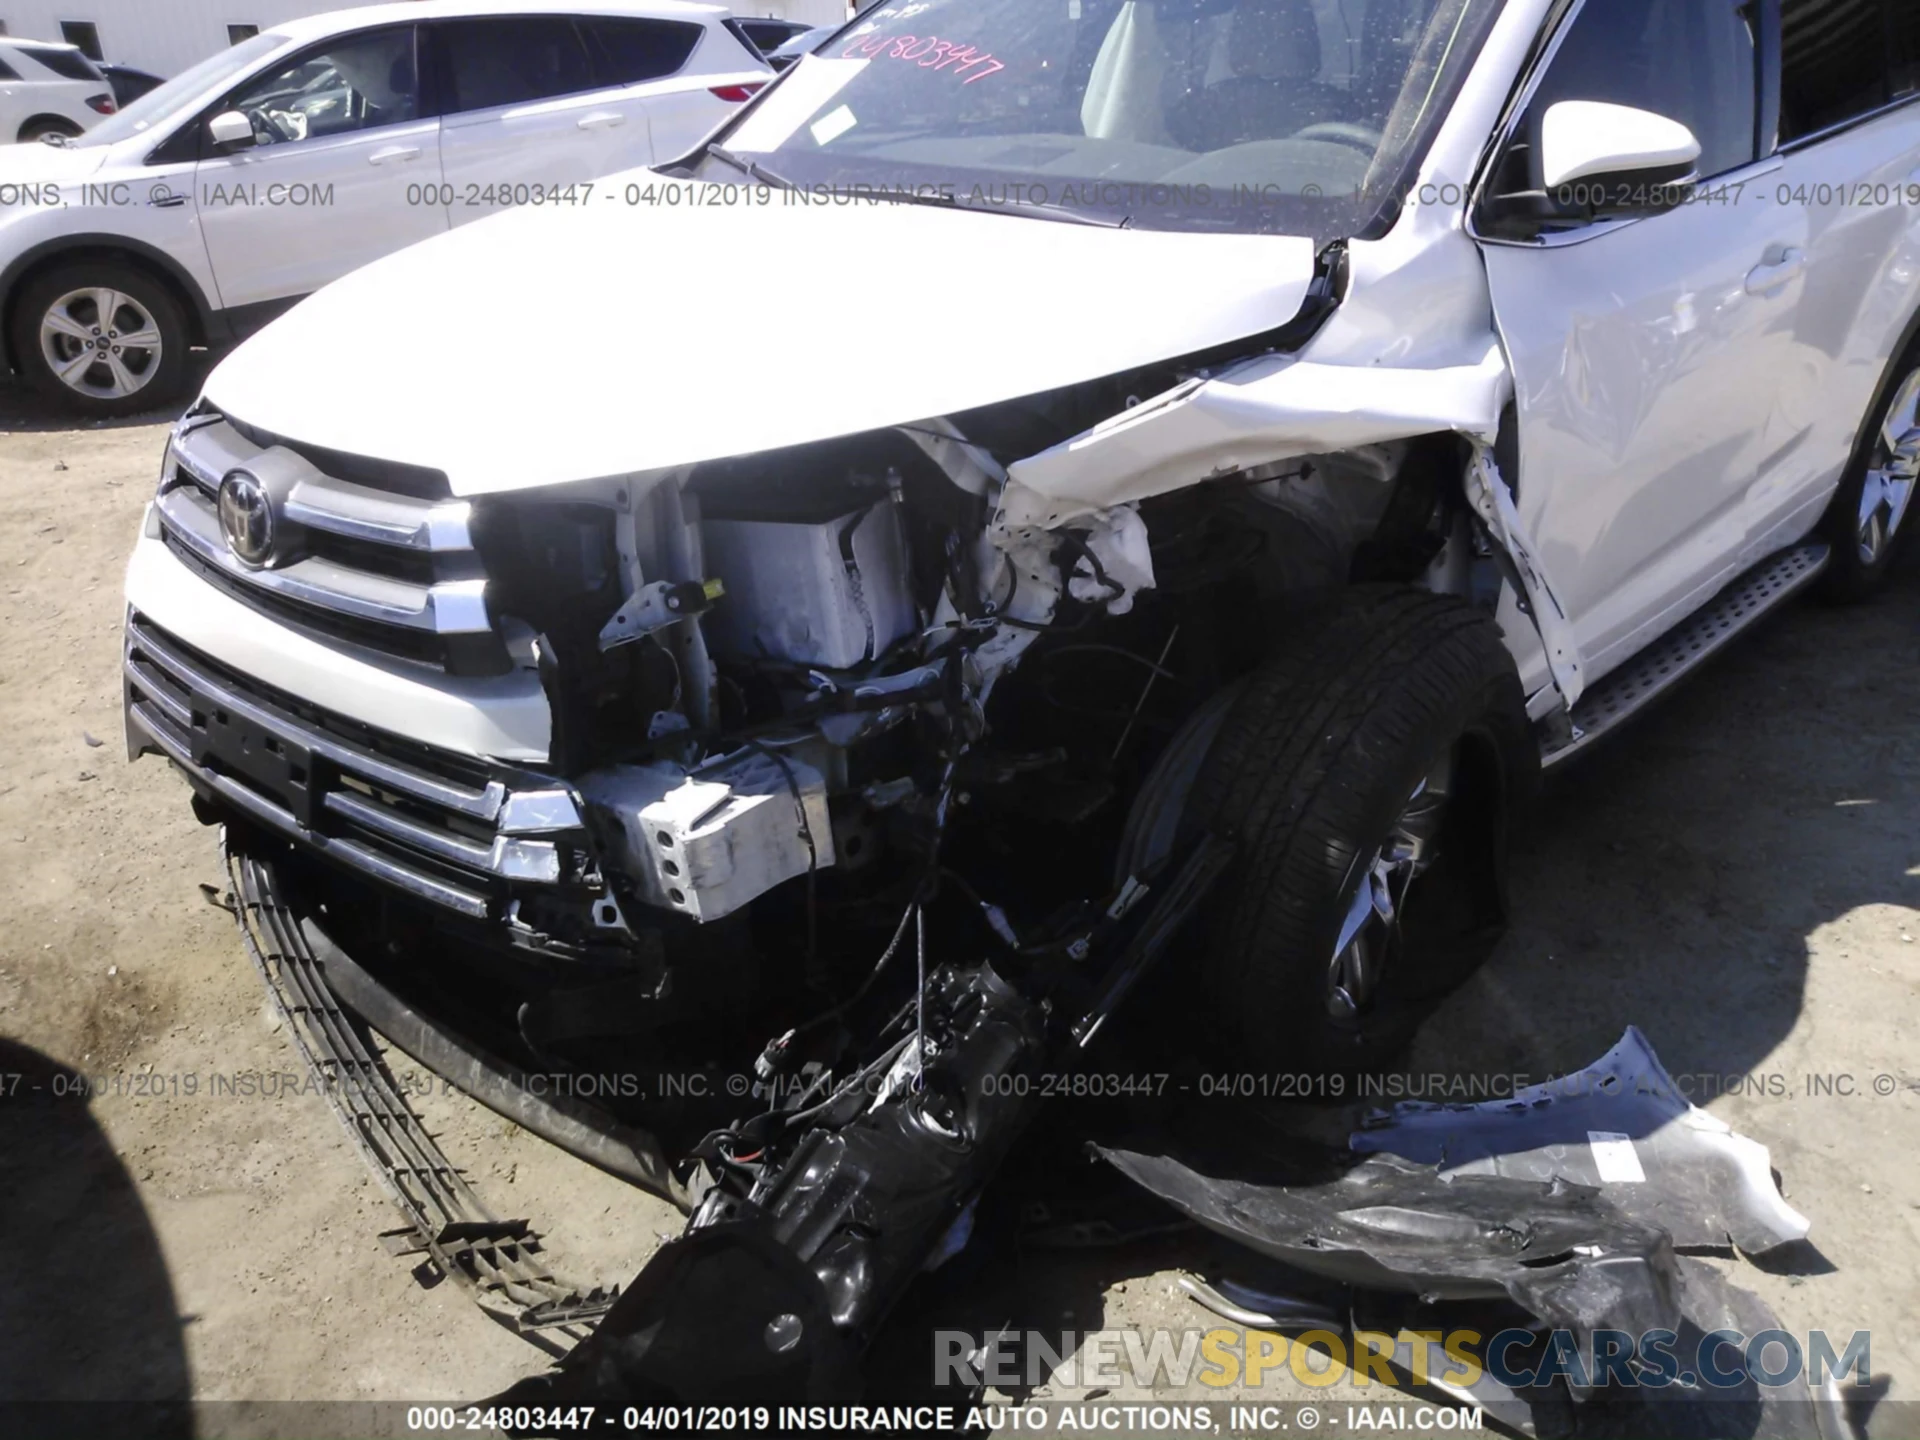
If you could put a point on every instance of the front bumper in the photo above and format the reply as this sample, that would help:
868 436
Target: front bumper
479 839
500 717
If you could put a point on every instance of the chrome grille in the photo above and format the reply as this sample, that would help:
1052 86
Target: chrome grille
390 571
450 830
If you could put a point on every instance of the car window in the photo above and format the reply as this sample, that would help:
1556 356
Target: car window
1695 61
799 44
1905 29
626 52
7 72
68 64
766 34
512 60
358 82
85 35
1836 62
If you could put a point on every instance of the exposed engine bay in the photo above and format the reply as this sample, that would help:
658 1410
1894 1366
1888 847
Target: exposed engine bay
876 791
809 663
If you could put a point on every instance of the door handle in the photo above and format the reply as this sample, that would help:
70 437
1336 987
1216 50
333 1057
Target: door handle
394 153
1780 267
166 200
602 120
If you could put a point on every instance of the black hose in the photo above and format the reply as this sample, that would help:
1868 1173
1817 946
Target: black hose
886 955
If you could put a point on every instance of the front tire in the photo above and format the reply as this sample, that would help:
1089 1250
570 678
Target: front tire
35 130
1871 517
101 339
1367 772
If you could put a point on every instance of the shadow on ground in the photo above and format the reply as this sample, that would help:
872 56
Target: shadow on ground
87 1310
21 409
1675 878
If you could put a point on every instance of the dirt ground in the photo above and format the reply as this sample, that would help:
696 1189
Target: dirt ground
1739 876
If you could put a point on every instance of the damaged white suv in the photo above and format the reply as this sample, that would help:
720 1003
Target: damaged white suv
1241 442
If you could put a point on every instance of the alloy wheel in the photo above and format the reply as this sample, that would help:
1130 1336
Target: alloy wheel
1369 939
1892 473
101 343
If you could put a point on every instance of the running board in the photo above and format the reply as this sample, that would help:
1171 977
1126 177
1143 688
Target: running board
1702 635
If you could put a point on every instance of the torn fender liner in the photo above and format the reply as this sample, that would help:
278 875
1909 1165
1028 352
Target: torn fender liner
1560 1251
1620 1124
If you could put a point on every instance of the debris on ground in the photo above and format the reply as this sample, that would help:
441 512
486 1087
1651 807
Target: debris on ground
1621 1125
1562 1213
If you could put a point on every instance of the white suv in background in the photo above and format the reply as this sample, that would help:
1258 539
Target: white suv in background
48 89
213 203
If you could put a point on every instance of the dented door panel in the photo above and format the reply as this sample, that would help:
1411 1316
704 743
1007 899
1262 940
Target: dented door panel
1648 379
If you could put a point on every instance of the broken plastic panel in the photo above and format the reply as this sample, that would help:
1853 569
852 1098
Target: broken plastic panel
1621 1125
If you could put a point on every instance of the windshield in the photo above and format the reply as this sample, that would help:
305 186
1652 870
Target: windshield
160 105
1293 116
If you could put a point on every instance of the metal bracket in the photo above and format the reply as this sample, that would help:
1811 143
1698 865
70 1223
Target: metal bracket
1493 503
656 606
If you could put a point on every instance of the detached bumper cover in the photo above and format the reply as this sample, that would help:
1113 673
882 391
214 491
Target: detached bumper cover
1621 1125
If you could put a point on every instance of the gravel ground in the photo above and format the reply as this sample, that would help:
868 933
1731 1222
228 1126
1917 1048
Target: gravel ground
1738 876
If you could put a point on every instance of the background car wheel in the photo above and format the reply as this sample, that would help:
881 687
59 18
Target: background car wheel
1871 515
1368 772
45 126
100 338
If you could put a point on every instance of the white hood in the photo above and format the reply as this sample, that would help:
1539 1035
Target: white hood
551 345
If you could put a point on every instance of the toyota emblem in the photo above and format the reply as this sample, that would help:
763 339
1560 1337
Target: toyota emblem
246 515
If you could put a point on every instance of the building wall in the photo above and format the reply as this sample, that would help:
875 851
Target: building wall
163 36
166 36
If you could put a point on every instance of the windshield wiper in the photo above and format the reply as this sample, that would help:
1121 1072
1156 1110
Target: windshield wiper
751 168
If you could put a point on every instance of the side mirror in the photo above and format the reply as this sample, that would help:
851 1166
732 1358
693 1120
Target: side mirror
1586 160
230 130
1596 142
